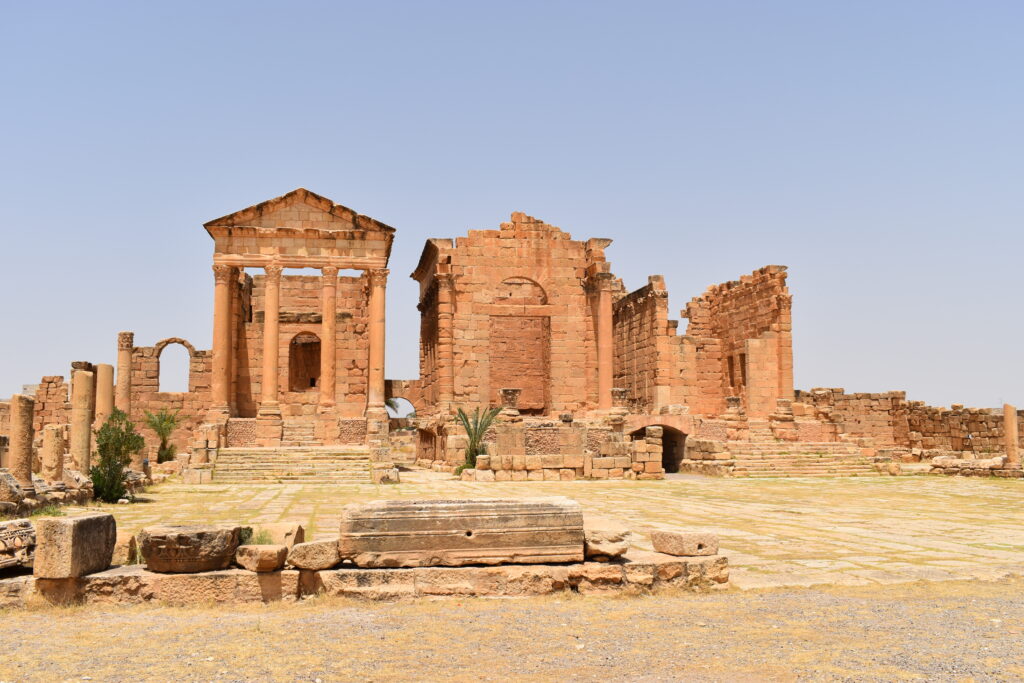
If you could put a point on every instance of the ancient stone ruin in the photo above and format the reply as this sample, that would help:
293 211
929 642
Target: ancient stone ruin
594 381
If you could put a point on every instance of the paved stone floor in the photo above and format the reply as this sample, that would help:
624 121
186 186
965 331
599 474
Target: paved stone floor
775 532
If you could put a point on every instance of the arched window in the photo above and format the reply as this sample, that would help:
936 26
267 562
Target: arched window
174 363
304 362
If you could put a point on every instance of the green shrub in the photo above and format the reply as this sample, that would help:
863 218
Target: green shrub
116 442
163 423
476 427
51 510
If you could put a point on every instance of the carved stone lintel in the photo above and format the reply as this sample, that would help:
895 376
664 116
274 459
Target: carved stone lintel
125 341
619 397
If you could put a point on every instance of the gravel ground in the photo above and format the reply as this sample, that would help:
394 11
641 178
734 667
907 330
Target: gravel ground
923 631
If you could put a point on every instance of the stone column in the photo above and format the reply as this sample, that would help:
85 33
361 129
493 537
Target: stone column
220 381
328 336
19 453
375 394
81 424
104 394
1011 436
445 340
53 453
605 342
123 394
271 342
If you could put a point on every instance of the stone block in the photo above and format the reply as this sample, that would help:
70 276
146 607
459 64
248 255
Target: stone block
126 549
426 533
605 540
533 462
503 475
261 558
604 463
572 461
283 533
70 547
316 555
188 549
483 462
195 475
685 543
485 475
551 461
566 474
535 475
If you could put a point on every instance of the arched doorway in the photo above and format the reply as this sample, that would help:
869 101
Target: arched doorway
673 446
304 362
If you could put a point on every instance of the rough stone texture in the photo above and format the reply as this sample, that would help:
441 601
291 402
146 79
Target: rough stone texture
315 555
685 543
187 549
69 547
605 539
459 532
10 490
20 442
52 456
126 549
287 534
17 543
261 558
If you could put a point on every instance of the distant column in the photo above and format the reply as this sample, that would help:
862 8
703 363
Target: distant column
81 424
329 334
605 342
20 446
1011 436
53 453
220 382
104 393
378 281
123 394
445 359
271 343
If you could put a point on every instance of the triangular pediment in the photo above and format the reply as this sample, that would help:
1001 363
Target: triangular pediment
299 209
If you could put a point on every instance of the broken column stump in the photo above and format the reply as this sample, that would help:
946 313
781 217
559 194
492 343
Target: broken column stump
453 533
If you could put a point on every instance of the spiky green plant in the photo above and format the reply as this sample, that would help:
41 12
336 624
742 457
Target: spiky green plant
476 426
163 423
116 442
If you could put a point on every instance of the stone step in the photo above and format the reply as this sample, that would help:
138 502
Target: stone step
316 464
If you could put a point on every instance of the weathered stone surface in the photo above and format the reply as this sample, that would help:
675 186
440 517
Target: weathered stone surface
69 547
126 549
287 534
605 539
261 558
10 491
17 543
429 533
315 555
685 543
187 549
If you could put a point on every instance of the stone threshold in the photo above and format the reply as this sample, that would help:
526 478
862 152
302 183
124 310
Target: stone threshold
639 571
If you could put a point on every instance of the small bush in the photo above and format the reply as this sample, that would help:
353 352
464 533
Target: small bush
163 422
476 427
116 442
250 536
47 511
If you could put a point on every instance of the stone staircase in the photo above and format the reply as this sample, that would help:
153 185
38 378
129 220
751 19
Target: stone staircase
297 433
319 465
782 459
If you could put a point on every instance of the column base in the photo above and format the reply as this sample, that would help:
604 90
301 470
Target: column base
269 425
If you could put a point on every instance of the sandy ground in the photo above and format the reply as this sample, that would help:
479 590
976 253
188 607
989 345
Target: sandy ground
957 631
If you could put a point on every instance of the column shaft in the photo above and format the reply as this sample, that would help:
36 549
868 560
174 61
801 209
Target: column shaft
329 336
104 393
20 453
378 280
445 360
1011 436
81 424
123 394
271 343
605 348
220 382
53 453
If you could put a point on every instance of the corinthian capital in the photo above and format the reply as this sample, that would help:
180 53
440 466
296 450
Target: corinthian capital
329 271
125 341
378 276
222 273
273 272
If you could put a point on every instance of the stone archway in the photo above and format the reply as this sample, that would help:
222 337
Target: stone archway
163 386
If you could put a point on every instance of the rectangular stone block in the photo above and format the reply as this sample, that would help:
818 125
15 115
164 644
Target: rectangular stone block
604 463
552 461
70 547
533 462
572 461
453 533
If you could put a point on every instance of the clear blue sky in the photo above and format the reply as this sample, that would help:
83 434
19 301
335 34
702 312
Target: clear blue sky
876 148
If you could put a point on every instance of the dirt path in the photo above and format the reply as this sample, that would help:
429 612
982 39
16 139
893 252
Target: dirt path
925 631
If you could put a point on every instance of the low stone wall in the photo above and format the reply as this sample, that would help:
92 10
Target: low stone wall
951 464
638 572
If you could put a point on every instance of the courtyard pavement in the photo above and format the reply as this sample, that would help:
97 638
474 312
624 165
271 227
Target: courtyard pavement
775 532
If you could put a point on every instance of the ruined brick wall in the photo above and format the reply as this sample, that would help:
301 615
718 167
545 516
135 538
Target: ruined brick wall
146 395
973 430
5 431
750 321
647 348
878 416
521 317
53 396
301 313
